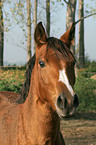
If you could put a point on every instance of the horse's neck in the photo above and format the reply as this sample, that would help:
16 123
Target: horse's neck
41 123
35 103
40 110
40 116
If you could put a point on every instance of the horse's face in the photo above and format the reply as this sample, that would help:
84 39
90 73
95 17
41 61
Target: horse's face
55 75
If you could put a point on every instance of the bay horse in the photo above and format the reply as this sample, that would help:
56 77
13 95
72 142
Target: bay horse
35 119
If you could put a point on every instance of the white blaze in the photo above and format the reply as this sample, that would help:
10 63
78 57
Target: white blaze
63 78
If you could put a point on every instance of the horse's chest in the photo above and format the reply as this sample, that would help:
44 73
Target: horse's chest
46 129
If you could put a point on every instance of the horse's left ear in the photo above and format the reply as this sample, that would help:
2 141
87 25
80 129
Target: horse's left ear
40 34
68 36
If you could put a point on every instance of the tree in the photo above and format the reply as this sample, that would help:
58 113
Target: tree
70 17
81 35
28 29
48 17
1 34
35 21
19 11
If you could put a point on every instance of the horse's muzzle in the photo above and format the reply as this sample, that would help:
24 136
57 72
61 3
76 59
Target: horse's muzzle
64 109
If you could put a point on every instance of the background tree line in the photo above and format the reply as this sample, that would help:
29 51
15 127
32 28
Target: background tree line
26 13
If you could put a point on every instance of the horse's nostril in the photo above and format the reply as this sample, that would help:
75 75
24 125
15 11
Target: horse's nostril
60 98
61 102
76 101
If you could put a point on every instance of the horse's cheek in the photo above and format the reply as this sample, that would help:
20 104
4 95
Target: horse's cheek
45 78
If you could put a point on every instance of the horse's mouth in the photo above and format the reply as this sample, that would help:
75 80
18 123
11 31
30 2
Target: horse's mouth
65 113
64 108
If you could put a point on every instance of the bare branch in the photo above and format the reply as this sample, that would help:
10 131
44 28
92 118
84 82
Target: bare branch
65 1
84 18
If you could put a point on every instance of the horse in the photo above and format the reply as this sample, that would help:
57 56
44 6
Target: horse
34 119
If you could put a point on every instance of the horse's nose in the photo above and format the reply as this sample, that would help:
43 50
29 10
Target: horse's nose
61 102
75 101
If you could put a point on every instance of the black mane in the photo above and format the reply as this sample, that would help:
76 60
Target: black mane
23 93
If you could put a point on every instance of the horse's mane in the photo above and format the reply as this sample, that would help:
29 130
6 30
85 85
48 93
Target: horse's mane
60 49
23 93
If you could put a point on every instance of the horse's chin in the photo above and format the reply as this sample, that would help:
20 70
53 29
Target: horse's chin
65 113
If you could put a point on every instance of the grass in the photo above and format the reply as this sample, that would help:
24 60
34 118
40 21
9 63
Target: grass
11 80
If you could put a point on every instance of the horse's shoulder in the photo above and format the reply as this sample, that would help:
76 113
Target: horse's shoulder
3 99
7 102
8 96
9 116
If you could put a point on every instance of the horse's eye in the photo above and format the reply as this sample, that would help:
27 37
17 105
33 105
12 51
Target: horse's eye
42 64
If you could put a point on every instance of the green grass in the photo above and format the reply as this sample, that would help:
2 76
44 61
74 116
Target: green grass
11 80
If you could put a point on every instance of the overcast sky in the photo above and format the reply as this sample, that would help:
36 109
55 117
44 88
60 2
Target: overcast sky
17 55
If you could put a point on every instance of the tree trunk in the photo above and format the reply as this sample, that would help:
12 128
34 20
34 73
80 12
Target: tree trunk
28 30
70 17
81 35
1 35
35 22
48 17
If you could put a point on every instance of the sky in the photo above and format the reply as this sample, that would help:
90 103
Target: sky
17 55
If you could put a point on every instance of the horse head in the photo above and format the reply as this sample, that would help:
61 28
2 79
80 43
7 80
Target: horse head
54 69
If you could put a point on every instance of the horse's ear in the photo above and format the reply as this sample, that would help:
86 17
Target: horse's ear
40 35
68 36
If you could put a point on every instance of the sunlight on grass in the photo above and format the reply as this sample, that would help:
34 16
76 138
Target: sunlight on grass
11 80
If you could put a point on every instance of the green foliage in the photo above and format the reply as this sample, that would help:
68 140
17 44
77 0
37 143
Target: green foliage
10 85
11 80
85 88
90 7
90 69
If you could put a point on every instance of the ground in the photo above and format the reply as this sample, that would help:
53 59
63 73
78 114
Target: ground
80 129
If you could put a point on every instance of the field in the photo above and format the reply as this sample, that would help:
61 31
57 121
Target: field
79 129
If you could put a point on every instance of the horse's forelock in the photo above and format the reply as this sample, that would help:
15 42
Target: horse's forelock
61 49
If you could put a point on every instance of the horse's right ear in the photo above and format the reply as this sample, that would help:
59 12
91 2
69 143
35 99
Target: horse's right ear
40 35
